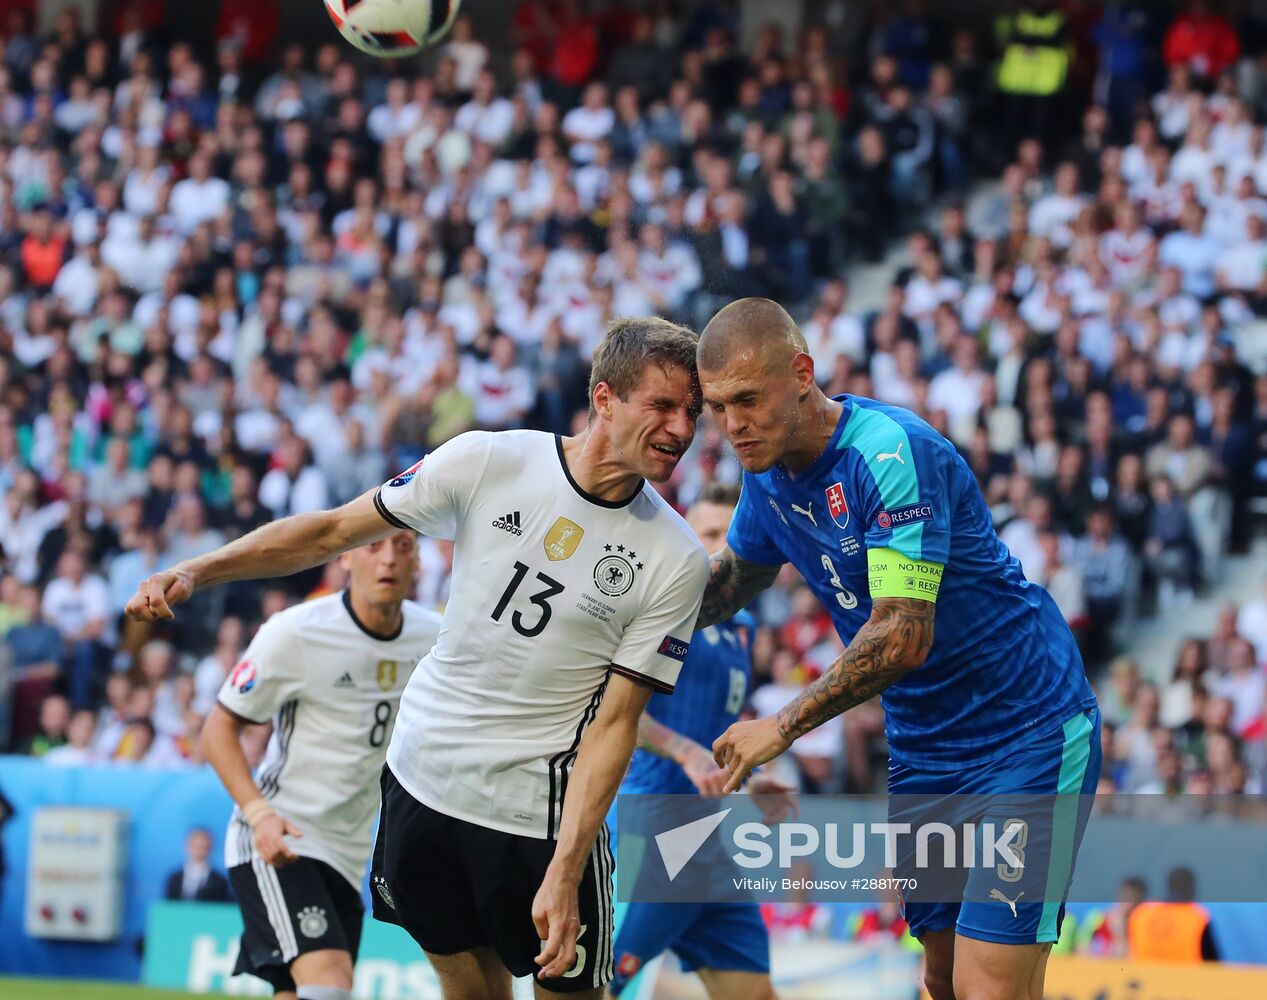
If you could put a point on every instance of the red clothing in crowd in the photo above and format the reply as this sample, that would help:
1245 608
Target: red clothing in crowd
575 52
250 23
1205 42
42 259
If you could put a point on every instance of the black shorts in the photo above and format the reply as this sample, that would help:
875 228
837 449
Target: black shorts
289 911
455 886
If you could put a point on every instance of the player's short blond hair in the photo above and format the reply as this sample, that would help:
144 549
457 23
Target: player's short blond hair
631 344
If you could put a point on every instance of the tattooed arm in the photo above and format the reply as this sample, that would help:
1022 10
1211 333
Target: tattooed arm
732 585
895 640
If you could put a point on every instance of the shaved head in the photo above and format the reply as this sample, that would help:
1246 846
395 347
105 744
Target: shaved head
757 328
758 382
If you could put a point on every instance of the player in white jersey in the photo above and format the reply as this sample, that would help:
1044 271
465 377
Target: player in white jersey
575 592
329 674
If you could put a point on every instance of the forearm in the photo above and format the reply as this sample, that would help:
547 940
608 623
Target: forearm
894 641
601 763
659 739
732 585
278 548
222 746
289 545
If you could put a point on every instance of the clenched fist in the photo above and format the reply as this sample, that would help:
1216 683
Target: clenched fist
155 596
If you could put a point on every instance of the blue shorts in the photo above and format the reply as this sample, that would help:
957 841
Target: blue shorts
1064 761
724 936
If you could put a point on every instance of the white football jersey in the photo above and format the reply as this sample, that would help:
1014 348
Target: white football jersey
552 589
332 689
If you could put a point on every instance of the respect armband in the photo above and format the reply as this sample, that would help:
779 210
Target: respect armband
891 574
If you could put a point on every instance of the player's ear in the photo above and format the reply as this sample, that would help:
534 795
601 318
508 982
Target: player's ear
345 560
803 371
603 400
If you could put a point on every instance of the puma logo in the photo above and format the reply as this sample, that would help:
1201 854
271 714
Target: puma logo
807 512
1011 903
884 456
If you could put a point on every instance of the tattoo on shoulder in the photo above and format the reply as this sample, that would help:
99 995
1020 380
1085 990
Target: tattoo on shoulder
732 584
895 640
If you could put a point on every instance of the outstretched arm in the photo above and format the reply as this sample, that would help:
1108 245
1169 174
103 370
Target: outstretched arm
733 582
692 758
894 641
279 548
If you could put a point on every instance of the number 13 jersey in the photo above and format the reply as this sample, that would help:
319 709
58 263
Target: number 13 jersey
552 588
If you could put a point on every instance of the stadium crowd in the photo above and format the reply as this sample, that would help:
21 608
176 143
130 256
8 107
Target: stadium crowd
253 280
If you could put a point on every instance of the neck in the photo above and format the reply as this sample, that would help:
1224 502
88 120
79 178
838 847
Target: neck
597 468
819 418
381 619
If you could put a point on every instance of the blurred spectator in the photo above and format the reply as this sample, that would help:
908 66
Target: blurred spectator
1107 567
213 668
1244 685
197 880
78 750
54 719
1104 933
1174 930
1201 40
77 604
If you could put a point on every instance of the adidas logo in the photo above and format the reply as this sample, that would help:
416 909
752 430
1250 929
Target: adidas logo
509 522
345 681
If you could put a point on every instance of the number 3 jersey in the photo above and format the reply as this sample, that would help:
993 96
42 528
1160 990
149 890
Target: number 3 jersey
552 588
332 689
1003 664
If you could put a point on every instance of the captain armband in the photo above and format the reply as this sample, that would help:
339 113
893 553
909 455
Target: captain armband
891 574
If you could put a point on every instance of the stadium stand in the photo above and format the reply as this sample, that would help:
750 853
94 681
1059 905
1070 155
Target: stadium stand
248 279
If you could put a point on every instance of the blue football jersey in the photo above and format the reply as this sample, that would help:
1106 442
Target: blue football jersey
1003 662
710 692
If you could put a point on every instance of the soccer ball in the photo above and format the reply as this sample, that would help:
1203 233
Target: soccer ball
392 28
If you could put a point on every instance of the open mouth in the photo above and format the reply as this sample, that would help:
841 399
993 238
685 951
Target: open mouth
668 450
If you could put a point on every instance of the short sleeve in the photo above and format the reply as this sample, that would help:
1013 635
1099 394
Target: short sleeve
432 495
748 537
269 674
909 510
656 642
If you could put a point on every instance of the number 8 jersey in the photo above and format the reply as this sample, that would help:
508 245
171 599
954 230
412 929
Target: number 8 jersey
332 689
552 588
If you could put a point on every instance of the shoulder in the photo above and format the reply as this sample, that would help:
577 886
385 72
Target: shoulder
305 614
875 429
672 529
508 451
420 620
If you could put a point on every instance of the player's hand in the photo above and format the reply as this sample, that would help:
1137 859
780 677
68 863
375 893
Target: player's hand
773 797
556 915
748 745
703 771
270 840
155 596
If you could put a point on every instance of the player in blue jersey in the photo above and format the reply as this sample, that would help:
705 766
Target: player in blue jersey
726 944
982 684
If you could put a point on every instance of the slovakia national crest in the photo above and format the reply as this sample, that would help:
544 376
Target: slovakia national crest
406 477
836 506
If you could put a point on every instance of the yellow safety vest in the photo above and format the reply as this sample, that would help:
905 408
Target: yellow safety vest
1035 63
